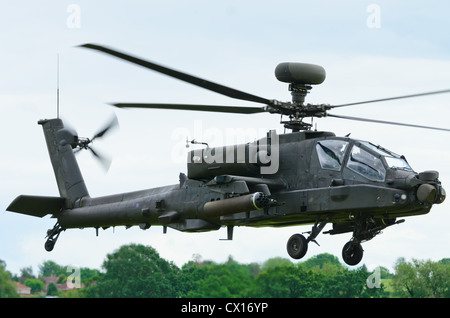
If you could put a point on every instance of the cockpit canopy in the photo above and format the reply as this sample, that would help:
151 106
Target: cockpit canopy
362 157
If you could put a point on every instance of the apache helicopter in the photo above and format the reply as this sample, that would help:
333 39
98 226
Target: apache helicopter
297 178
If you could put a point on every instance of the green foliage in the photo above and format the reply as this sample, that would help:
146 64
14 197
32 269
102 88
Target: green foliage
287 281
50 268
321 261
324 263
419 279
25 273
275 262
7 287
52 290
36 285
138 271
350 284
135 271
209 279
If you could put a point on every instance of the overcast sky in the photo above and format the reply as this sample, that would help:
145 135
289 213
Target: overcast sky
370 49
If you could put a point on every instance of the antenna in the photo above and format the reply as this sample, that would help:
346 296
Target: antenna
57 86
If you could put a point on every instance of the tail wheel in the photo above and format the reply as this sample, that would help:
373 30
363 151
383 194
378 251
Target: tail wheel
52 236
297 246
352 253
49 245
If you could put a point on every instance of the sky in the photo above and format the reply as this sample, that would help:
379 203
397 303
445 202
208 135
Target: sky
369 49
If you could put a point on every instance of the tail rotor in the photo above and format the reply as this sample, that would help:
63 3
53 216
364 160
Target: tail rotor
81 143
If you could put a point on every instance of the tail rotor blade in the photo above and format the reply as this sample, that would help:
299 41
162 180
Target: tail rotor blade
104 161
113 123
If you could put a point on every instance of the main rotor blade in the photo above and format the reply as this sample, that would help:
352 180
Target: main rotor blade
392 98
385 122
224 90
206 108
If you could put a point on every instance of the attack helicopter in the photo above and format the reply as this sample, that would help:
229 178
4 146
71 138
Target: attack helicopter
297 178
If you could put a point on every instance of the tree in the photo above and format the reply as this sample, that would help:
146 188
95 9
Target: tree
445 261
275 262
405 280
321 260
324 263
89 275
320 276
287 281
209 279
135 271
25 273
52 290
384 272
50 268
7 287
418 279
36 285
349 284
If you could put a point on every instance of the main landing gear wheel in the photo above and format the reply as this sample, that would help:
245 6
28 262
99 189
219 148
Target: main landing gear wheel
352 253
297 246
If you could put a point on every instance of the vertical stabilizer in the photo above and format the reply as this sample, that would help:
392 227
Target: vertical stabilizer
68 175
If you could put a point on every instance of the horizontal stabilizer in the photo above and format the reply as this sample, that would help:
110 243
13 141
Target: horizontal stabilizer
36 205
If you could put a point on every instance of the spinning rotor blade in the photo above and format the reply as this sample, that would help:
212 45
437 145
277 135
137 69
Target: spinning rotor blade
206 108
385 122
387 99
111 125
392 98
224 90
84 143
295 110
104 161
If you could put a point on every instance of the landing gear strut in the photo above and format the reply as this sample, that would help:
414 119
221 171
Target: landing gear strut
52 236
364 228
297 245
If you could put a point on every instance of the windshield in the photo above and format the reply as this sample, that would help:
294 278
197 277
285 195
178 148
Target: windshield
393 160
364 158
331 153
366 164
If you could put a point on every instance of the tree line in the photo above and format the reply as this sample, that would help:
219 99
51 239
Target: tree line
138 271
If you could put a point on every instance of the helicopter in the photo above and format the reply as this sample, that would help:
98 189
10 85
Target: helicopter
302 177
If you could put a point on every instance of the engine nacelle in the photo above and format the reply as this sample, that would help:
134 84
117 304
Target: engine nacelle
243 160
